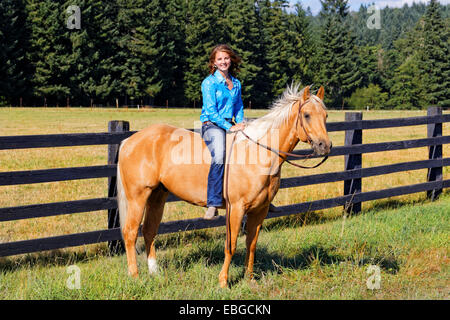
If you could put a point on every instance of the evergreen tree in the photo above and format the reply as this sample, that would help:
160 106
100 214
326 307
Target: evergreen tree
14 71
405 82
434 59
402 50
155 51
171 63
407 90
50 50
276 45
135 52
244 36
205 28
369 57
299 35
93 71
338 60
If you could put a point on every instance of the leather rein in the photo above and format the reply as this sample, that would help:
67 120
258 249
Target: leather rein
288 154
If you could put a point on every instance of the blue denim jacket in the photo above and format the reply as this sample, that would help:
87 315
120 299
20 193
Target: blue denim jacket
219 102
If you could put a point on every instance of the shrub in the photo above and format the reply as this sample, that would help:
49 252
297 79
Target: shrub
370 96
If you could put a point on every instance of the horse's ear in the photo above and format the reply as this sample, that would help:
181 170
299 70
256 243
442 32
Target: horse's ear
321 93
306 93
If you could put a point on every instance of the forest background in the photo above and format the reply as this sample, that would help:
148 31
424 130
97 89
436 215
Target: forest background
155 52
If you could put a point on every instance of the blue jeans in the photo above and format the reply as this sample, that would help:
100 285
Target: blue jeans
214 137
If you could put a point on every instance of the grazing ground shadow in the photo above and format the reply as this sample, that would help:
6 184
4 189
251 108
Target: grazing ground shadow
48 259
270 262
297 220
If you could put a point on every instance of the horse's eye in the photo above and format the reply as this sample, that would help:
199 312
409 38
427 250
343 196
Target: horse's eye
306 116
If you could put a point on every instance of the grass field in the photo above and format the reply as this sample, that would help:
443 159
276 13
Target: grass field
316 255
293 261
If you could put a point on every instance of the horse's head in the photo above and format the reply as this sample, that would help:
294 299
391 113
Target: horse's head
311 122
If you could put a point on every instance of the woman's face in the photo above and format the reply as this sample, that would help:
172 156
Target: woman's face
222 61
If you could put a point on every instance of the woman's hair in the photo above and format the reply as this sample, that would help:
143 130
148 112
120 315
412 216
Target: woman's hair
235 59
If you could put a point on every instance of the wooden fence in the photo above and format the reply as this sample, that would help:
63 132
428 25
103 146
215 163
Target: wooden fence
119 130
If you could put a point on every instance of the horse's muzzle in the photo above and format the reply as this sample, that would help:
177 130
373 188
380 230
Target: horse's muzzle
322 147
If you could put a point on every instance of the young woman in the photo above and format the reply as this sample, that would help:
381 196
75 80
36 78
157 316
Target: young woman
221 102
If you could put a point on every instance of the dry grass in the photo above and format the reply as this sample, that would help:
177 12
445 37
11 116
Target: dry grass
29 121
426 262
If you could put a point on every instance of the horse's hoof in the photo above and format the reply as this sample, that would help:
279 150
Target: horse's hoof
152 266
223 284
133 275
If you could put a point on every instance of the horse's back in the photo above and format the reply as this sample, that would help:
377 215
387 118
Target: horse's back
169 155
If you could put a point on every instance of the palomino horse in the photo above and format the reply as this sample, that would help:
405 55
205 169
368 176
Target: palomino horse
149 168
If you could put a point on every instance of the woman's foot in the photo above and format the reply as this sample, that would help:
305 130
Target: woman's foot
210 213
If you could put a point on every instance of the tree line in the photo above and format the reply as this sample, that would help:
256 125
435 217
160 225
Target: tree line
155 52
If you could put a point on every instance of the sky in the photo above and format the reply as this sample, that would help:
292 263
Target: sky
355 4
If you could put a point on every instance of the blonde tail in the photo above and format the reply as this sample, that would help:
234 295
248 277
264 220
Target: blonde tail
122 202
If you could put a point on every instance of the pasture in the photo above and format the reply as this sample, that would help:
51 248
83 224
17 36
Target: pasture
315 255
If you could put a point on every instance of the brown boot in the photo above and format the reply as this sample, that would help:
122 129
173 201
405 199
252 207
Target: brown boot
210 213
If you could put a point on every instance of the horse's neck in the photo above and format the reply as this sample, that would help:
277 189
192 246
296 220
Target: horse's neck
285 137
288 134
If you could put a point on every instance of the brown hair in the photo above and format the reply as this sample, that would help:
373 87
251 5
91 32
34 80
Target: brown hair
235 59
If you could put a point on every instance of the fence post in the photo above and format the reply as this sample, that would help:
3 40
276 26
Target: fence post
116 246
353 161
434 152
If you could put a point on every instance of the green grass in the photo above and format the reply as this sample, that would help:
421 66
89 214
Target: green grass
321 260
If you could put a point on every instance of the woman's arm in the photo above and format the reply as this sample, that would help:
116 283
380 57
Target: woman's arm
239 117
210 105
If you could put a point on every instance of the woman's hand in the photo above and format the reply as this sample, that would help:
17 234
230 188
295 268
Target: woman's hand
238 127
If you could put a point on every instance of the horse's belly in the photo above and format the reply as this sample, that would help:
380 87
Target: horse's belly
188 182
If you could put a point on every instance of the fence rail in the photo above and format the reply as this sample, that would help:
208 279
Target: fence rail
86 139
119 130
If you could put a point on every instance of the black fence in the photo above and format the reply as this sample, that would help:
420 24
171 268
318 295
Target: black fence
119 130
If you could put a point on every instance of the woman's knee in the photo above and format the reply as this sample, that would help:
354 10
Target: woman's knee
215 140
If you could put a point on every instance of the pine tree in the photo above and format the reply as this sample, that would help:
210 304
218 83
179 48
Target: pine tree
434 59
50 50
407 90
244 34
302 47
90 80
277 46
205 28
369 67
339 63
172 61
402 49
14 71
134 51
263 82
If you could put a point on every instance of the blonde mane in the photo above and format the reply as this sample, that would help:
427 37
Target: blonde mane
278 114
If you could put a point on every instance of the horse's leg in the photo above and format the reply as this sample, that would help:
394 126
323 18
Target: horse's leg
254 223
236 215
153 215
135 212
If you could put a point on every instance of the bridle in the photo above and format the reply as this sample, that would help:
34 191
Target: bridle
276 151
289 154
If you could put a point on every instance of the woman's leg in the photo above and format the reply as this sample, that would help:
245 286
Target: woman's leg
214 138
